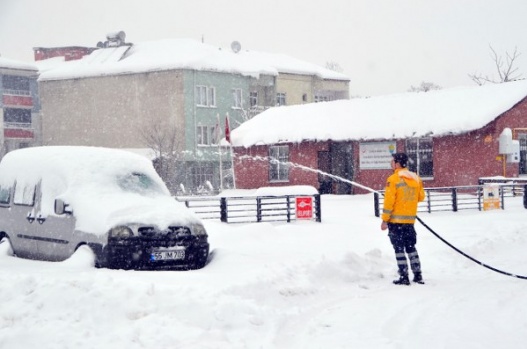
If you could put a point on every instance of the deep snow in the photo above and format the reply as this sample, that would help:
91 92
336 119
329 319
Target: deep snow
278 285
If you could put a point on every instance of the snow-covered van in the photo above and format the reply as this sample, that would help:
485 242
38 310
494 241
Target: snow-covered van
55 199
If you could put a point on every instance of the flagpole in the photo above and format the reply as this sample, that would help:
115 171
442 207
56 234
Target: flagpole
218 138
228 138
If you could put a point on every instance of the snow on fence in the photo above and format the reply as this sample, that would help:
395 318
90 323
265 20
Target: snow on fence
247 209
459 198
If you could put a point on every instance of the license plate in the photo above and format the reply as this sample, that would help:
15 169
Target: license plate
168 255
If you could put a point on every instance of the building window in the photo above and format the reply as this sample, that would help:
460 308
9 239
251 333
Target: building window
205 96
319 98
203 135
237 98
523 153
420 156
253 99
17 117
201 174
278 163
280 99
15 84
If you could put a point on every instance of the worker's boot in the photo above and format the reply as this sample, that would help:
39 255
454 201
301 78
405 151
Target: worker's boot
418 278
403 280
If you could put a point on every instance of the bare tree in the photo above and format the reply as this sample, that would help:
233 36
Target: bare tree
162 138
332 65
424 87
505 68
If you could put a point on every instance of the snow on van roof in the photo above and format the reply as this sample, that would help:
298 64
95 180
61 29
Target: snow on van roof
90 180
448 111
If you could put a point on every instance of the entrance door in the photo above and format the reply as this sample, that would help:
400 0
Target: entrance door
324 165
342 166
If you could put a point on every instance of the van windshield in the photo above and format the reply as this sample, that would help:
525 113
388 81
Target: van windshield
139 183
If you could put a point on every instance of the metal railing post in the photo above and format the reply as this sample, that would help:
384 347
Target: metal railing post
479 196
258 209
288 209
502 197
454 199
429 201
318 208
376 204
223 210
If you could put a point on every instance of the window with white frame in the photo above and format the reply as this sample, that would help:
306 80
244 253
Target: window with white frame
280 99
253 99
205 96
237 98
278 163
420 153
206 135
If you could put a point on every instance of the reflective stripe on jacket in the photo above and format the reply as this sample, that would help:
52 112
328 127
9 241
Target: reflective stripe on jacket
404 189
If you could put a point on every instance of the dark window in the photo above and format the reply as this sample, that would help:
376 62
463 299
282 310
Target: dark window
20 116
420 156
201 174
17 83
523 154
280 99
253 99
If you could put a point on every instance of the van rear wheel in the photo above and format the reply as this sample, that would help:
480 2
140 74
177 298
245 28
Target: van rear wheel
6 249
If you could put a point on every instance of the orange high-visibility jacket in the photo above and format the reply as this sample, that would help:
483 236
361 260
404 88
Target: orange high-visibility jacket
404 189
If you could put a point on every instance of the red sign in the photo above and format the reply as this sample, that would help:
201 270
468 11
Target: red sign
304 207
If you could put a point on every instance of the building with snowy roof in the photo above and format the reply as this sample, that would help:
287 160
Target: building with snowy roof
178 90
452 137
19 105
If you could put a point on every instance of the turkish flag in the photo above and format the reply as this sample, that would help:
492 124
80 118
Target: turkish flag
227 130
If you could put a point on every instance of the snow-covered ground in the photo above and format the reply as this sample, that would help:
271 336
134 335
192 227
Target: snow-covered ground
278 285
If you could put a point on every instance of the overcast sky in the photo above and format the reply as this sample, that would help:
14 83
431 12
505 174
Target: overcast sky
384 46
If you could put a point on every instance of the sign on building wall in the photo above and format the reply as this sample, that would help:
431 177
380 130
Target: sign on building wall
376 155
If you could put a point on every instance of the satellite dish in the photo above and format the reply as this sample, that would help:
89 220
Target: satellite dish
236 47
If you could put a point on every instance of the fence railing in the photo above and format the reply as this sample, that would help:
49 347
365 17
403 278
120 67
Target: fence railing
458 198
247 209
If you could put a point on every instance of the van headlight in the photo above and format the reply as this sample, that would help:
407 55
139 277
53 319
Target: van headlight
198 229
120 232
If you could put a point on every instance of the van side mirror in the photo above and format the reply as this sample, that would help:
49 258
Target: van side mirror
61 207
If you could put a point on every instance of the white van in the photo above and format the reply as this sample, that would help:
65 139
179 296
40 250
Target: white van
55 199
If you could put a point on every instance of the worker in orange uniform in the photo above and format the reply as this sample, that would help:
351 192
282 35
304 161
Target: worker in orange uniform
404 190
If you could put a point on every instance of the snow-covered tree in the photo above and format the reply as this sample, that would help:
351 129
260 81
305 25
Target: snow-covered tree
424 87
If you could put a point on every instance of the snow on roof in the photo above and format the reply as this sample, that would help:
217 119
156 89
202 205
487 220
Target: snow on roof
170 54
287 64
104 187
449 111
14 64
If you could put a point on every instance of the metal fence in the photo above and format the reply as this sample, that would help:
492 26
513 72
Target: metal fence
250 209
459 198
